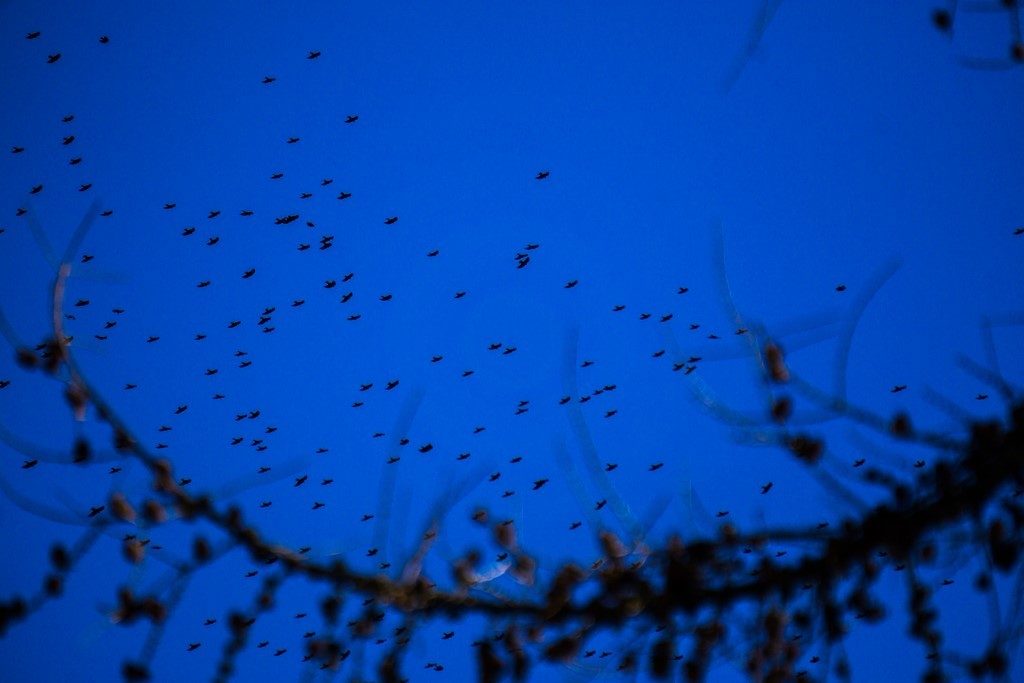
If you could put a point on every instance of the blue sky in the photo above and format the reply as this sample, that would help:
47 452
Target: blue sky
853 144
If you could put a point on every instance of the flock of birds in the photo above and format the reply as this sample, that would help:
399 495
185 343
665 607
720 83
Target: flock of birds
341 286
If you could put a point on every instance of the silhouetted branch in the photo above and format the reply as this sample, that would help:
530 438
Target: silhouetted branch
665 585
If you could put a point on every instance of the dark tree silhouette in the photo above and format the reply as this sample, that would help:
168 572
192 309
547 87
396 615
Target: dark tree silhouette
701 598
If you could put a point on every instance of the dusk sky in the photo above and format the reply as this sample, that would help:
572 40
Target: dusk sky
842 178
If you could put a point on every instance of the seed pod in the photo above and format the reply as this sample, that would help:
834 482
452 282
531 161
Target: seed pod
26 358
782 408
330 607
133 672
53 585
133 550
121 508
201 551
775 362
524 569
162 479
661 658
563 650
612 546
489 665
59 558
123 441
154 512
806 448
77 398
505 535
81 452
900 425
